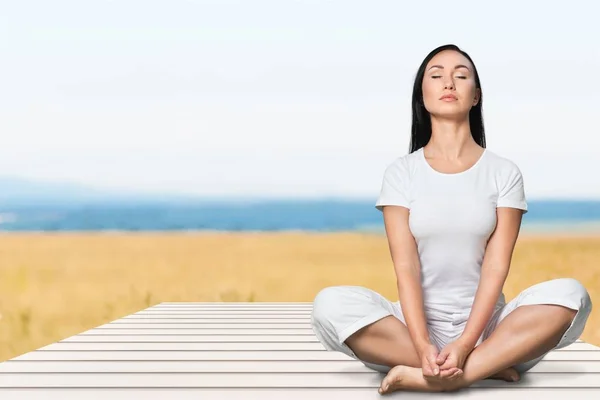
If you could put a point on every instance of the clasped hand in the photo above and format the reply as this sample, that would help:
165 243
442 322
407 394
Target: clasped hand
448 363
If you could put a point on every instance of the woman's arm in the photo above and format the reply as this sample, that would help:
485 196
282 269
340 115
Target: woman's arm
405 259
494 270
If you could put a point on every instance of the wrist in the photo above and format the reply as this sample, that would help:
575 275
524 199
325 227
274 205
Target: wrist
467 342
421 345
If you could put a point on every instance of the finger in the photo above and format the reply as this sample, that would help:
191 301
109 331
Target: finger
427 370
450 363
432 379
451 377
446 373
456 375
435 369
441 358
453 371
448 367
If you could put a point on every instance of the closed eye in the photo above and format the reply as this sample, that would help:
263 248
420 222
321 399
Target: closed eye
438 76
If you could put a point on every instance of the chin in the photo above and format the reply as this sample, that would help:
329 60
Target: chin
455 114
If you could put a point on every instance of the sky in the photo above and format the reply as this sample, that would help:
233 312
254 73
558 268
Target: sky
285 98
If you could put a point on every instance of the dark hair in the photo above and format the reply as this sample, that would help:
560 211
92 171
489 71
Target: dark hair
421 119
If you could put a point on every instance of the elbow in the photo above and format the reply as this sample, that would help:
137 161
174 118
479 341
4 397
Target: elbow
497 271
407 273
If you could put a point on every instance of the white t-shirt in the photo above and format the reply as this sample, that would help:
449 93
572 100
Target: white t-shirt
451 218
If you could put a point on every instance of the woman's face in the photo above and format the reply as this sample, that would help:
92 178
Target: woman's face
449 73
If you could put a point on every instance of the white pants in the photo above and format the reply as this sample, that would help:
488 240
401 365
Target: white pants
340 311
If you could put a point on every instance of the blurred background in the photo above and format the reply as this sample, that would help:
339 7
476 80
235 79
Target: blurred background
221 150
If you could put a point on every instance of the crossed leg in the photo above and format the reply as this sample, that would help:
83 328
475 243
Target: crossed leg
525 334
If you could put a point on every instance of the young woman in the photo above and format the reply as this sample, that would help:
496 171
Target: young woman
452 211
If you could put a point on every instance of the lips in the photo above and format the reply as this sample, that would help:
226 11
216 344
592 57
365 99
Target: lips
448 97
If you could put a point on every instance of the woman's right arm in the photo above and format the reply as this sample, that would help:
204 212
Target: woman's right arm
405 258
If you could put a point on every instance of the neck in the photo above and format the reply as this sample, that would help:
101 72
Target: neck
450 139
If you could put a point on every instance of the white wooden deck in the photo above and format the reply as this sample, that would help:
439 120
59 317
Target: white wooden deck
244 351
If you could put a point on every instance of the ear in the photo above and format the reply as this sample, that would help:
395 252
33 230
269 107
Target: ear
477 95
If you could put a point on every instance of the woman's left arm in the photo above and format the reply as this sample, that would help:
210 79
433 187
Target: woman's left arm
494 271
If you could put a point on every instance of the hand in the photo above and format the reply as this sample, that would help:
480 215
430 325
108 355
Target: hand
453 357
429 367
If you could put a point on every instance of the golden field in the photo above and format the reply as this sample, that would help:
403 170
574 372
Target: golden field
53 286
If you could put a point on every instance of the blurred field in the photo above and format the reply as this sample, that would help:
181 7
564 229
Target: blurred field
53 286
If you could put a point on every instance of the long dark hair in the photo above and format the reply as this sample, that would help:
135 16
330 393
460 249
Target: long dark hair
421 119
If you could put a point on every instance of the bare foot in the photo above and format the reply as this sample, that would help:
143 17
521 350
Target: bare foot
508 375
408 378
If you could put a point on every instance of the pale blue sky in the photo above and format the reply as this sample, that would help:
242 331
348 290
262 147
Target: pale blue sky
285 97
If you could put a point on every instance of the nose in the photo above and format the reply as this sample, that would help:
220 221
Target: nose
449 84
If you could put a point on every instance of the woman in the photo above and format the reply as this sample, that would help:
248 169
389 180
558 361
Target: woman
452 212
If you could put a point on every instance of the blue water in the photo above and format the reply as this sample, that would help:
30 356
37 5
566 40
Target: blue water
274 215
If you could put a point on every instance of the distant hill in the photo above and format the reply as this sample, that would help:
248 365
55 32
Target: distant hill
15 191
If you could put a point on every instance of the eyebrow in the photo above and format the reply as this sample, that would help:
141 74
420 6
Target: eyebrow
456 67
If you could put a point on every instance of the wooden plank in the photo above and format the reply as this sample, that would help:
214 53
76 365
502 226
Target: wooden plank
238 339
230 309
229 316
195 338
258 380
233 308
225 319
208 325
193 328
188 332
186 366
256 306
515 393
201 332
220 312
233 303
579 347
306 317
177 346
246 366
195 346
242 355
185 355
152 330
236 304
263 312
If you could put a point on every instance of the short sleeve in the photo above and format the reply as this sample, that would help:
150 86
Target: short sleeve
512 189
394 188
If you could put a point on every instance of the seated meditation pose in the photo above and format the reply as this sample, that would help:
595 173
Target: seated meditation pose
452 211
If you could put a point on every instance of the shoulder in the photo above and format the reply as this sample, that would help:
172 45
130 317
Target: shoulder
402 166
502 165
504 172
396 185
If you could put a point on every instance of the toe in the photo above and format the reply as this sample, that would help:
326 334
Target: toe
514 375
383 388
